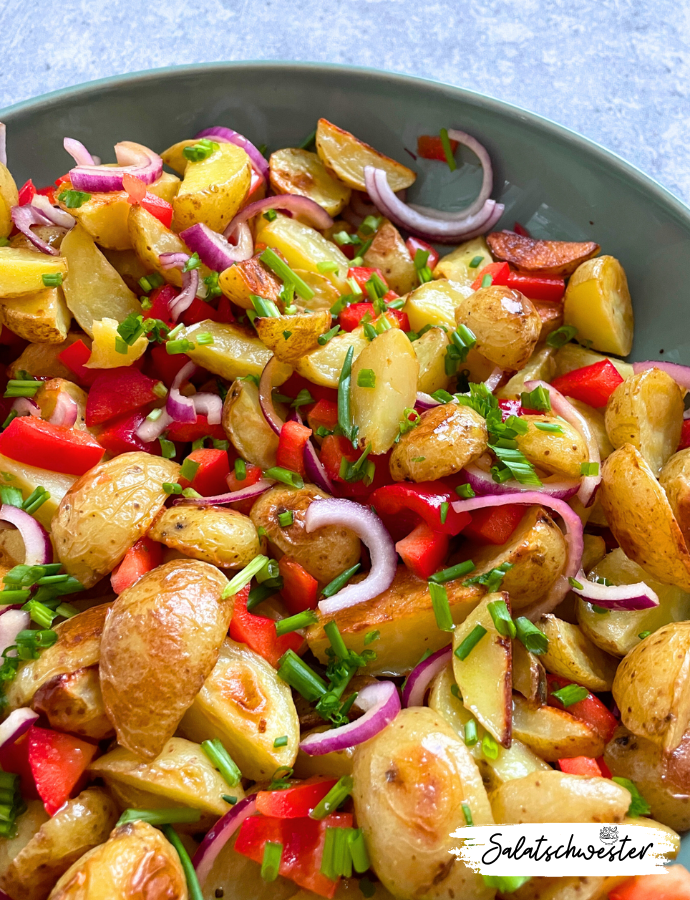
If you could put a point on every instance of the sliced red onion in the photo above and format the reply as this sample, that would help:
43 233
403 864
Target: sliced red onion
493 381
26 216
16 724
229 136
301 206
23 406
381 703
209 405
616 596
421 677
132 158
315 470
152 429
190 282
78 152
371 530
214 250
37 545
680 374
219 836
425 401
56 216
266 397
441 228
11 623
487 180
65 412
179 408
563 408
3 144
483 485
247 493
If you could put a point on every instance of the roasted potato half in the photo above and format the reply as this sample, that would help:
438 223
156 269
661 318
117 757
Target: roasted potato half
558 797
324 365
27 478
540 367
292 337
150 238
434 304
675 480
251 276
553 733
430 350
455 266
213 189
303 247
246 425
72 702
389 253
223 537
529 674
572 655
596 421
505 323
540 257
234 353
296 171
572 356
42 317
48 395
597 302
561 453
22 270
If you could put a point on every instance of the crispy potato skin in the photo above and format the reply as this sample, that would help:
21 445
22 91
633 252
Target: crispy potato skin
540 257
675 480
222 537
73 702
572 655
506 324
325 552
246 426
303 332
243 279
42 317
389 253
107 510
552 733
448 437
297 171
561 454
558 797
159 644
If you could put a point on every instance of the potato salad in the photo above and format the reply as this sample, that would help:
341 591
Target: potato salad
331 525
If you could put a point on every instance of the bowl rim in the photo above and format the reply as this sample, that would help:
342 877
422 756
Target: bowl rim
604 156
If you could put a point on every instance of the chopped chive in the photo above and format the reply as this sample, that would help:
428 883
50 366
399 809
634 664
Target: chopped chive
169 816
487 281
178 346
286 518
371 636
277 473
574 583
549 427
282 270
308 141
204 338
52 279
465 491
200 151
22 388
189 469
470 642
270 215
270 863
280 742
489 747
448 150
532 637
323 339
340 791
561 336
358 850
441 606
475 262
222 760
240 469
501 618
467 813
243 577
344 414
167 448
340 581
589 468
644 634
457 571
170 488
228 799
301 677
327 266
293 623
445 506
264 307
471 736
336 640
571 693
538 399
185 861
638 805
12 496
366 378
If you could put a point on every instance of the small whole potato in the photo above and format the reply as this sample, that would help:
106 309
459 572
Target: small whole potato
222 537
325 552
246 425
675 480
389 253
107 510
561 453
445 440
505 323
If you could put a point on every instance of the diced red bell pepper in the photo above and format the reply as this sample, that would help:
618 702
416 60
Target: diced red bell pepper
590 710
591 384
362 274
580 765
118 391
27 192
14 758
429 146
259 632
211 477
605 771
352 315
538 287
119 436
303 842
413 244
37 443
684 435
401 316
224 312
324 414
426 499
300 590
197 311
291 443
673 884
162 299
158 207
423 550
254 473
74 357
521 230
294 802
62 179
297 383
499 272
333 449
163 365
495 524
58 762
186 433
144 556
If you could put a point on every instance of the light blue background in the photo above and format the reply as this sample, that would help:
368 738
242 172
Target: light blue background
617 71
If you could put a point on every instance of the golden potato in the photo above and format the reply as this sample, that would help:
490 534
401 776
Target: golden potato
553 733
292 337
104 352
594 551
529 675
430 350
435 303
22 271
28 824
505 323
150 238
331 765
572 356
135 855
558 797
246 426
77 827
47 396
597 302
411 782
223 537
388 252
50 234
641 518
572 655
675 480
559 453
213 189
384 385
237 877
42 317
652 686
303 247
234 353
323 366
72 702
248 277
325 292
344 154
595 420
27 478
540 367
540 257
444 441
9 197
324 553
455 266
160 643
296 171
107 510
247 706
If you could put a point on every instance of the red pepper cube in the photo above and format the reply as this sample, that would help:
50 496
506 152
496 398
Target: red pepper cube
120 436
352 315
494 525
144 556
684 435
591 710
159 208
429 146
115 392
300 590
413 244
27 192
75 358
253 474
291 444
162 299
187 433
580 765
672 884
430 500
591 384
38 443
362 274
323 414
58 762
211 477
537 287
259 632
294 802
499 272
423 550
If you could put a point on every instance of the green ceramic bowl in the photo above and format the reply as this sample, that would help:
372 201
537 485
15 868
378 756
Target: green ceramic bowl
553 181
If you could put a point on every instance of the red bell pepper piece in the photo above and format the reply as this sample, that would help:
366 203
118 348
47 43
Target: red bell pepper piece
673 884
401 316
58 762
294 802
162 299
27 192
426 499
605 771
429 146
413 244
521 230
211 476
537 287
254 473
423 550
186 433
333 449
117 391
499 272
38 443
158 207
362 274
74 357
324 414
591 384
352 316
259 632
684 435
590 710
494 525
300 589
224 312
303 842
119 436
163 365
144 556
297 383
580 765
291 443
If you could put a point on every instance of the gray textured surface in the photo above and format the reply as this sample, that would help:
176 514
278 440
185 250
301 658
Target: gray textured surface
614 70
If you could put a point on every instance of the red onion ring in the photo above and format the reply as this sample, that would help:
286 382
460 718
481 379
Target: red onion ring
65 412
266 398
483 485
214 250
381 703
371 530
443 230
37 545
16 724
493 381
680 374
228 136
179 408
132 158
190 282
219 836
487 179
425 401
315 470
421 677
247 493
78 152
24 217
209 405
563 408
152 429
23 406
616 596
3 144
56 216
11 623
301 206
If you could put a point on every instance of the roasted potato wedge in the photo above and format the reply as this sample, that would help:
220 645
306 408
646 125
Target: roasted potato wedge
325 292
98 519
528 674
245 704
641 518
430 350
73 702
595 420
559 453
240 281
42 318
540 257
160 643
572 356
104 352
222 537
323 366
597 302
292 337
389 253
553 733
213 189
572 655
551 315
150 238
647 412
346 156
51 234
246 426
540 367
296 171
303 247
332 765
675 480
27 478
9 197
411 782
22 271
324 553
505 323
234 353
28 824
455 266
435 303
47 396
594 551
